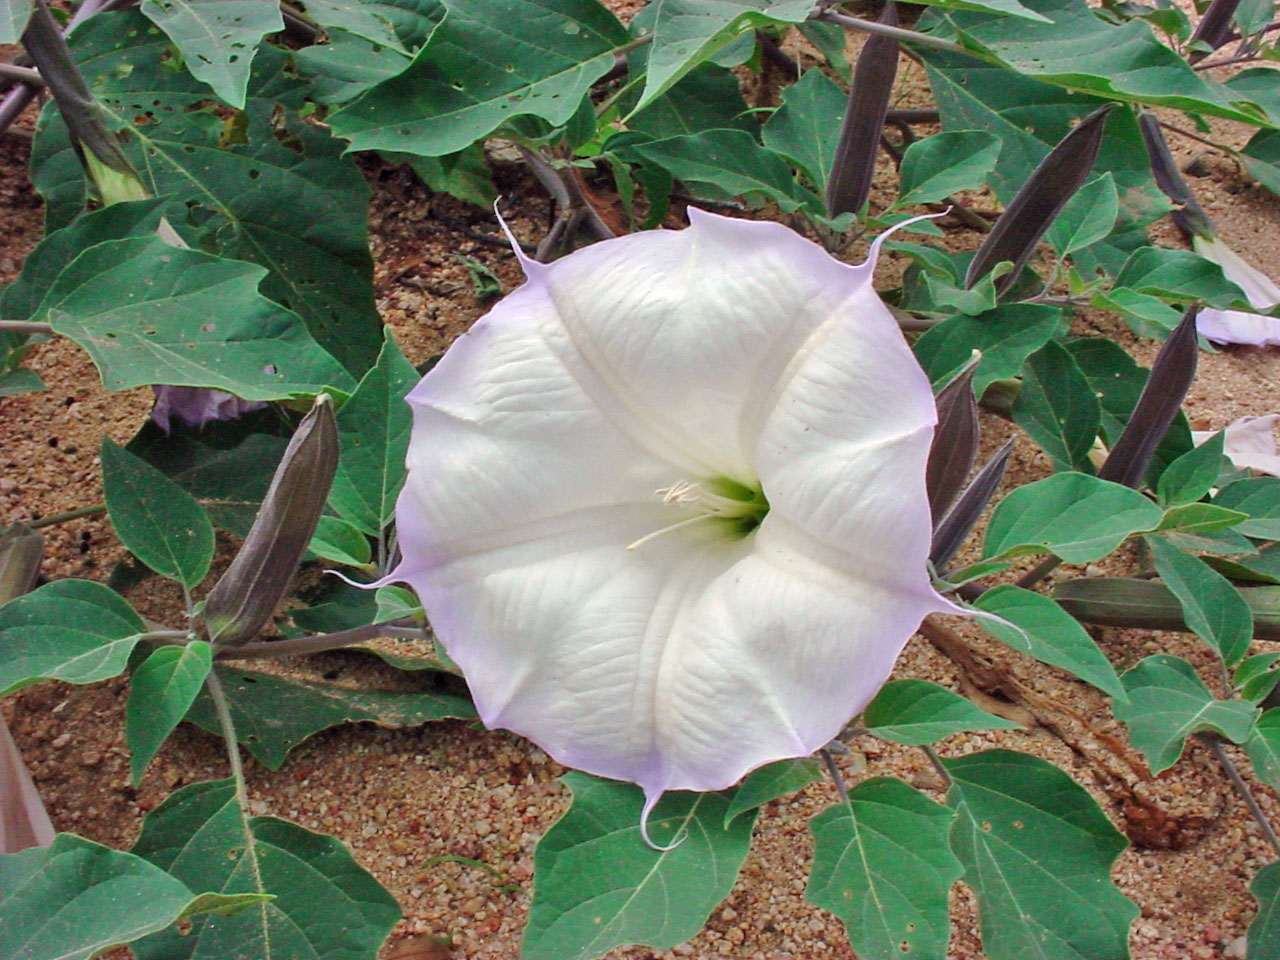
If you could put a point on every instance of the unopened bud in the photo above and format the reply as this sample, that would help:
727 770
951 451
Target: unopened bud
255 583
1150 605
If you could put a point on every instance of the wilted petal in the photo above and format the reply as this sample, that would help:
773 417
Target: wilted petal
1238 326
196 406
1260 289
661 642
1249 443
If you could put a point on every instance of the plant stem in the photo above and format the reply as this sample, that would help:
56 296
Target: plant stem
10 71
898 33
23 326
1195 136
1038 573
938 765
50 520
1242 788
834 772
321 642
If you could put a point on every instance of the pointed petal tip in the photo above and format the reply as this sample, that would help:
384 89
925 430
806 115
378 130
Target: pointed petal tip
651 798
532 268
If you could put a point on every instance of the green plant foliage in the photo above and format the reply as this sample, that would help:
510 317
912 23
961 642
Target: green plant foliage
324 904
396 603
1178 275
1264 931
1261 157
1264 747
1192 475
1006 336
76 631
373 430
1213 607
155 519
1016 814
217 38
1088 217
75 898
938 166
1259 497
881 863
273 715
806 128
1168 702
1058 408
707 98
160 692
919 712
464 174
728 160
342 542
1043 630
598 885
770 782
477 73
402 25
347 66
149 313
13 20
1075 516
247 181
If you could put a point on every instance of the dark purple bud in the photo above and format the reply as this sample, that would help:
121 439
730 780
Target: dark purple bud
1214 27
1150 605
955 441
1189 216
950 532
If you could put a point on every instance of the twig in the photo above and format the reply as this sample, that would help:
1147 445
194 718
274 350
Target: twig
320 642
898 33
12 71
938 765
1242 788
834 772
1195 136
22 326
913 116
1039 572
50 520
1242 58
775 55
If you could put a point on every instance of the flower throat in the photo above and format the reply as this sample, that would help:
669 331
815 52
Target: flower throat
739 507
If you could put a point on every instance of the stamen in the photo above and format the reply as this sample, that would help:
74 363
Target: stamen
675 526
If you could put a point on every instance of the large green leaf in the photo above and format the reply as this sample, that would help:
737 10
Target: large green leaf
1264 748
1264 931
806 128
1168 702
707 98
156 520
881 863
161 691
373 430
75 898
273 715
729 160
598 885
938 166
149 313
1006 336
770 782
1078 517
264 186
77 631
1178 275
1045 631
325 905
1086 218
1037 851
489 62
402 25
1210 603
1058 407
347 66
217 38
13 19
919 712
1259 497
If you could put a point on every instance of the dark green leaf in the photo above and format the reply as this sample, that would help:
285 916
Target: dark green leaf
806 128
1192 475
1168 702
707 98
598 885
1178 275
155 518
1213 607
938 166
1261 156
13 20
1006 336
396 603
1058 408
1088 217
77 631
1048 633
1077 517
1259 497
341 542
1264 748
160 692
831 40
729 160
919 712
348 65
400 24
324 904
770 782
1015 815
1264 932
882 864
1198 518
1256 676
273 715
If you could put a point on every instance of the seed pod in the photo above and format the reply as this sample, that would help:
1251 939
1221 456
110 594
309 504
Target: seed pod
1214 27
253 586
950 532
854 165
1189 217
1042 197
1150 605
21 550
955 441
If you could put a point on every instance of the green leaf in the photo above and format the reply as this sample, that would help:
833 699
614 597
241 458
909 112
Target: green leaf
1058 408
464 174
729 160
76 631
1261 156
806 128
1264 747
1006 336
1087 218
1177 275
1077 517
247 182
1048 633
1168 702
919 712
347 66
485 65
217 38
155 519
273 715
396 603
687 32
75 898
707 98
403 25
1259 497
1256 676
149 313
373 431
19 381
13 20
598 885
1037 851
770 782
341 542
1212 606
831 40
938 166
1264 932
1193 474
160 692
324 904
1198 518
882 864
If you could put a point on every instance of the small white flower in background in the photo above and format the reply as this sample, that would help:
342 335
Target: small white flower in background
666 503
1250 443
1238 326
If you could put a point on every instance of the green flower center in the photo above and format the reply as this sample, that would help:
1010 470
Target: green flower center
738 507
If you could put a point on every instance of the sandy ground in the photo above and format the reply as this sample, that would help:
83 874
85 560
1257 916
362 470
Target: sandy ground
400 798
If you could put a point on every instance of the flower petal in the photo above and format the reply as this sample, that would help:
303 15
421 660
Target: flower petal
1238 326
1249 443
1259 288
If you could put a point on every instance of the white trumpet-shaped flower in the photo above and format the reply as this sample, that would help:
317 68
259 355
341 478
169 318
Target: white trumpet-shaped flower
666 503
1239 326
